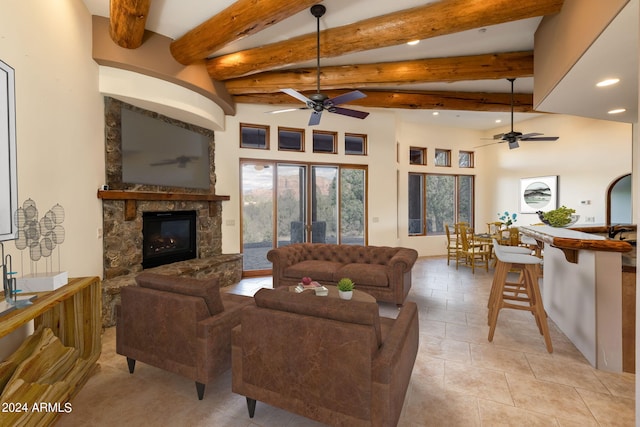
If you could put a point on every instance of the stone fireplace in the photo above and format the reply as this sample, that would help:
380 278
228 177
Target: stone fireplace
124 206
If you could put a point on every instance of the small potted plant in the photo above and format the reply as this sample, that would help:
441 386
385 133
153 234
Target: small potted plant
345 288
507 218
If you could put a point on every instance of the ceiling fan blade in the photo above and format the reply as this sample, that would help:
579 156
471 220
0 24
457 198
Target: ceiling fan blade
297 95
498 136
315 118
541 138
529 135
490 143
349 112
346 97
286 110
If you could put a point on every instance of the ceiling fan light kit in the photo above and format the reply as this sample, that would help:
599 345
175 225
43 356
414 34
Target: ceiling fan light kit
319 102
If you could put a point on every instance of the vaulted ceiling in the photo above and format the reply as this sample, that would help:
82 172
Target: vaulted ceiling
467 49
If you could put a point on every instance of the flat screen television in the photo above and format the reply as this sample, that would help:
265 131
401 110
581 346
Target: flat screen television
159 151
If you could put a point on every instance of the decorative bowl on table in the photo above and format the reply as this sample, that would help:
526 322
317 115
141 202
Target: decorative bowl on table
566 217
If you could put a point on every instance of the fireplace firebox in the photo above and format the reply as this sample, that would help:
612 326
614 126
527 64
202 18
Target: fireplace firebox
168 237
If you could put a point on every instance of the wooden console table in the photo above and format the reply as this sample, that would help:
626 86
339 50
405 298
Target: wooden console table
73 313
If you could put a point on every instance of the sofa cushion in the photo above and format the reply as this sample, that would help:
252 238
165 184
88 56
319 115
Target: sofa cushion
366 274
358 312
317 270
207 289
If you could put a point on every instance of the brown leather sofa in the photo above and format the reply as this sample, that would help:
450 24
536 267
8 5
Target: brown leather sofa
179 324
381 271
334 361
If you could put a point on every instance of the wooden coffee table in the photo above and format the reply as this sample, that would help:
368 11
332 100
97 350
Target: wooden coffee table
333 293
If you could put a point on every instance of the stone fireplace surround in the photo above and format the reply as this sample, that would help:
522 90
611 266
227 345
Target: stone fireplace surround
122 220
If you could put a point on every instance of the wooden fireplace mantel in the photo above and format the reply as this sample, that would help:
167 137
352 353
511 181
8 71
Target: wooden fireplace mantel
131 198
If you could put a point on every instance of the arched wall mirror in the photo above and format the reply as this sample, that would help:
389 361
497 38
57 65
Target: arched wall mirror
619 203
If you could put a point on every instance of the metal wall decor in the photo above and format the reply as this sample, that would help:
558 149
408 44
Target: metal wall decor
39 235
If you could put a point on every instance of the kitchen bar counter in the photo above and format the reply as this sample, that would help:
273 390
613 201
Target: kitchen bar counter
571 241
582 290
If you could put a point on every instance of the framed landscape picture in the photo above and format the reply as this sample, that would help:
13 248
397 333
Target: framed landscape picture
8 176
538 194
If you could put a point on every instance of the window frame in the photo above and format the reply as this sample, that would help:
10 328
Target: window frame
424 199
447 153
292 130
266 129
363 136
334 135
423 156
472 160
421 199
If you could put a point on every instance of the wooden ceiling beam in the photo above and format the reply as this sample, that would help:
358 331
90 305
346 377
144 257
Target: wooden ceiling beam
477 67
127 19
241 19
422 22
427 100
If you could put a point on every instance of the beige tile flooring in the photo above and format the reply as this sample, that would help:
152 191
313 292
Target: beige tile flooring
459 379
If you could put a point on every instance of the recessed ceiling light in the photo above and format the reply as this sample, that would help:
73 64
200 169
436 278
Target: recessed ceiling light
617 111
413 42
607 82
435 113
498 121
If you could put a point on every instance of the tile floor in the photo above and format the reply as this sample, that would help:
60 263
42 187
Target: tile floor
459 379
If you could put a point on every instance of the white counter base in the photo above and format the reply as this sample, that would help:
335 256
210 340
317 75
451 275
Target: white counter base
585 301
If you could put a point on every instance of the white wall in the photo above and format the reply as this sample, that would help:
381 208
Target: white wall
60 136
587 158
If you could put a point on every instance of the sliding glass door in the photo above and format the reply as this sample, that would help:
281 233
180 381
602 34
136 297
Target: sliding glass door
324 204
285 203
257 214
291 204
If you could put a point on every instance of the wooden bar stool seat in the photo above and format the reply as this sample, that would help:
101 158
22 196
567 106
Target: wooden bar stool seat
521 295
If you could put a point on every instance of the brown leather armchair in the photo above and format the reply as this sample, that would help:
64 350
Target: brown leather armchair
334 361
179 324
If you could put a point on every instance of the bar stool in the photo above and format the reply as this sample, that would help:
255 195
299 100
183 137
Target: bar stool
506 249
521 295
532 244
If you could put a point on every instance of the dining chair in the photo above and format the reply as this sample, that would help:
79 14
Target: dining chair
493 228
456 228
453 244
470 252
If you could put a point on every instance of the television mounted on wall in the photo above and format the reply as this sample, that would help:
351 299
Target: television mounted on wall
160 151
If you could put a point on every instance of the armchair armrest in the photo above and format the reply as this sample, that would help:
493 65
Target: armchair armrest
227 319
392 366
399 349
214 340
